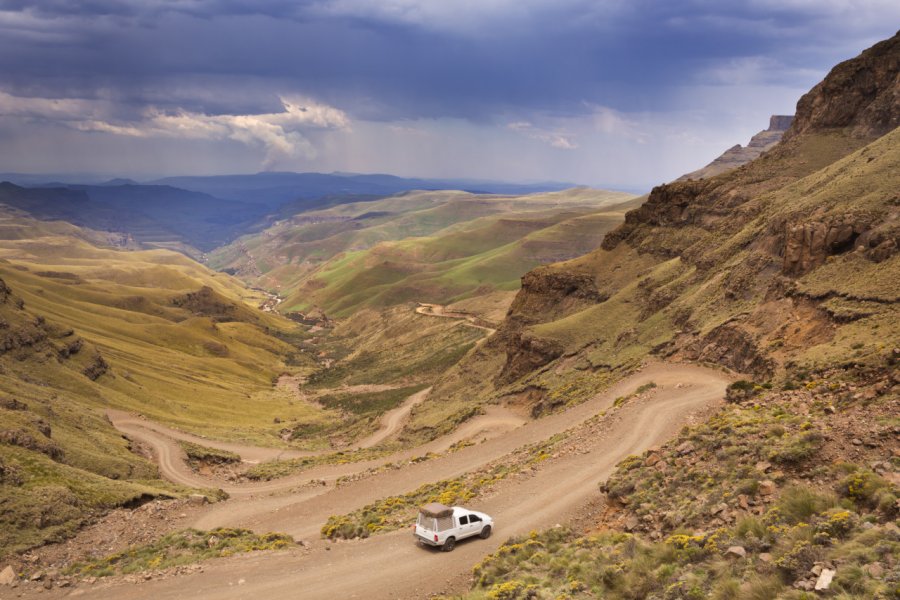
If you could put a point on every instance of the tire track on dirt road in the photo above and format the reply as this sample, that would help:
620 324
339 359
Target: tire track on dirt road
391 565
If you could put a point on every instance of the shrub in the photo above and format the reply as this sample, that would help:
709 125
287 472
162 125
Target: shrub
796 449
508 590
741 390
868 489
798 504
727 589
799 559
761 588
752 531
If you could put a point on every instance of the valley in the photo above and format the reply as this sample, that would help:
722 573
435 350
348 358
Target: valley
249 386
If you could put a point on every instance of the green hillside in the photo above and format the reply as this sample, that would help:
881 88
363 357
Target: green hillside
86 328
785 271
422 246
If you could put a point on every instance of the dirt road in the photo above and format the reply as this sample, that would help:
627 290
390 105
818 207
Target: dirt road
439 310
169 455
391 565
393 420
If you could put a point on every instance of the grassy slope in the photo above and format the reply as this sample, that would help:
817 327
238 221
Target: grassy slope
784 474
435 246
60 458
657 297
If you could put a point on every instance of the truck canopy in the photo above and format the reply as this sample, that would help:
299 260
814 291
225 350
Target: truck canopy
436 510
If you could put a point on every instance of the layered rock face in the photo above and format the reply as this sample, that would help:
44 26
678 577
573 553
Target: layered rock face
861 94
549 294
739 155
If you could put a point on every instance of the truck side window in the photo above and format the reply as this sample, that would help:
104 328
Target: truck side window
474 519
464 520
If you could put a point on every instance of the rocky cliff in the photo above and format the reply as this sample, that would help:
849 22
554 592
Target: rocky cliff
720 267
739 155
860 95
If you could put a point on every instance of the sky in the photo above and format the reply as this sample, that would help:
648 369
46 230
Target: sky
617 93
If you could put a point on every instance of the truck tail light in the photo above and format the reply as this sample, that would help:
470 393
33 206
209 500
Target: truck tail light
435 537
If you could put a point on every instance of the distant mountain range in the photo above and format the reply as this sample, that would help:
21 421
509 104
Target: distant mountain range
275 188
196 213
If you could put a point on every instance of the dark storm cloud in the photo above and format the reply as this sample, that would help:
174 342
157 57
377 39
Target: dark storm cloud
383 63
461 87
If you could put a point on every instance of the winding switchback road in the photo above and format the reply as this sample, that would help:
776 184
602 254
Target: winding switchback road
391 565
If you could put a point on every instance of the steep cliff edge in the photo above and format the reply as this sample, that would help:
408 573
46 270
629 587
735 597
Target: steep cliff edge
738 155
860 94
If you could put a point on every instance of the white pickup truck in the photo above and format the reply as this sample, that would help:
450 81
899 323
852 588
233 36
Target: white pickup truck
439 525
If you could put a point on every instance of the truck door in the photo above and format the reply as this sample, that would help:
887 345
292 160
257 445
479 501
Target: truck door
463 527
475 524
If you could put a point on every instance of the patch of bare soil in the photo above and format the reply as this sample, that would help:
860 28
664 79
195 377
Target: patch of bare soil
113 532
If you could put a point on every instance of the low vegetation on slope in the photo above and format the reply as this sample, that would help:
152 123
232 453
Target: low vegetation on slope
775 489
423 246
181 548
85 328
785 270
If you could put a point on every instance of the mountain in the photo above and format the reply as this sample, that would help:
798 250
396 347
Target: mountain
738 155
419 246
156 216
197 214
306 190
195 218
783 270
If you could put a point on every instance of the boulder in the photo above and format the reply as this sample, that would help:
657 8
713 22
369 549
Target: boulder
652 460
824 579
685 448
736 552
631 523
8 576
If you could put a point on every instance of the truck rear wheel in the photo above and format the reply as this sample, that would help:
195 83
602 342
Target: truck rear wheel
449 544
485 533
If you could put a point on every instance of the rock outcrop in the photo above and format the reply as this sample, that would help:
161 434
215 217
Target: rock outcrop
739 239
808 244
546 294
552 293
861 94
739 155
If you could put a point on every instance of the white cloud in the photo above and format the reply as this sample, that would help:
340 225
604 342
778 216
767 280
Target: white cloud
280 133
